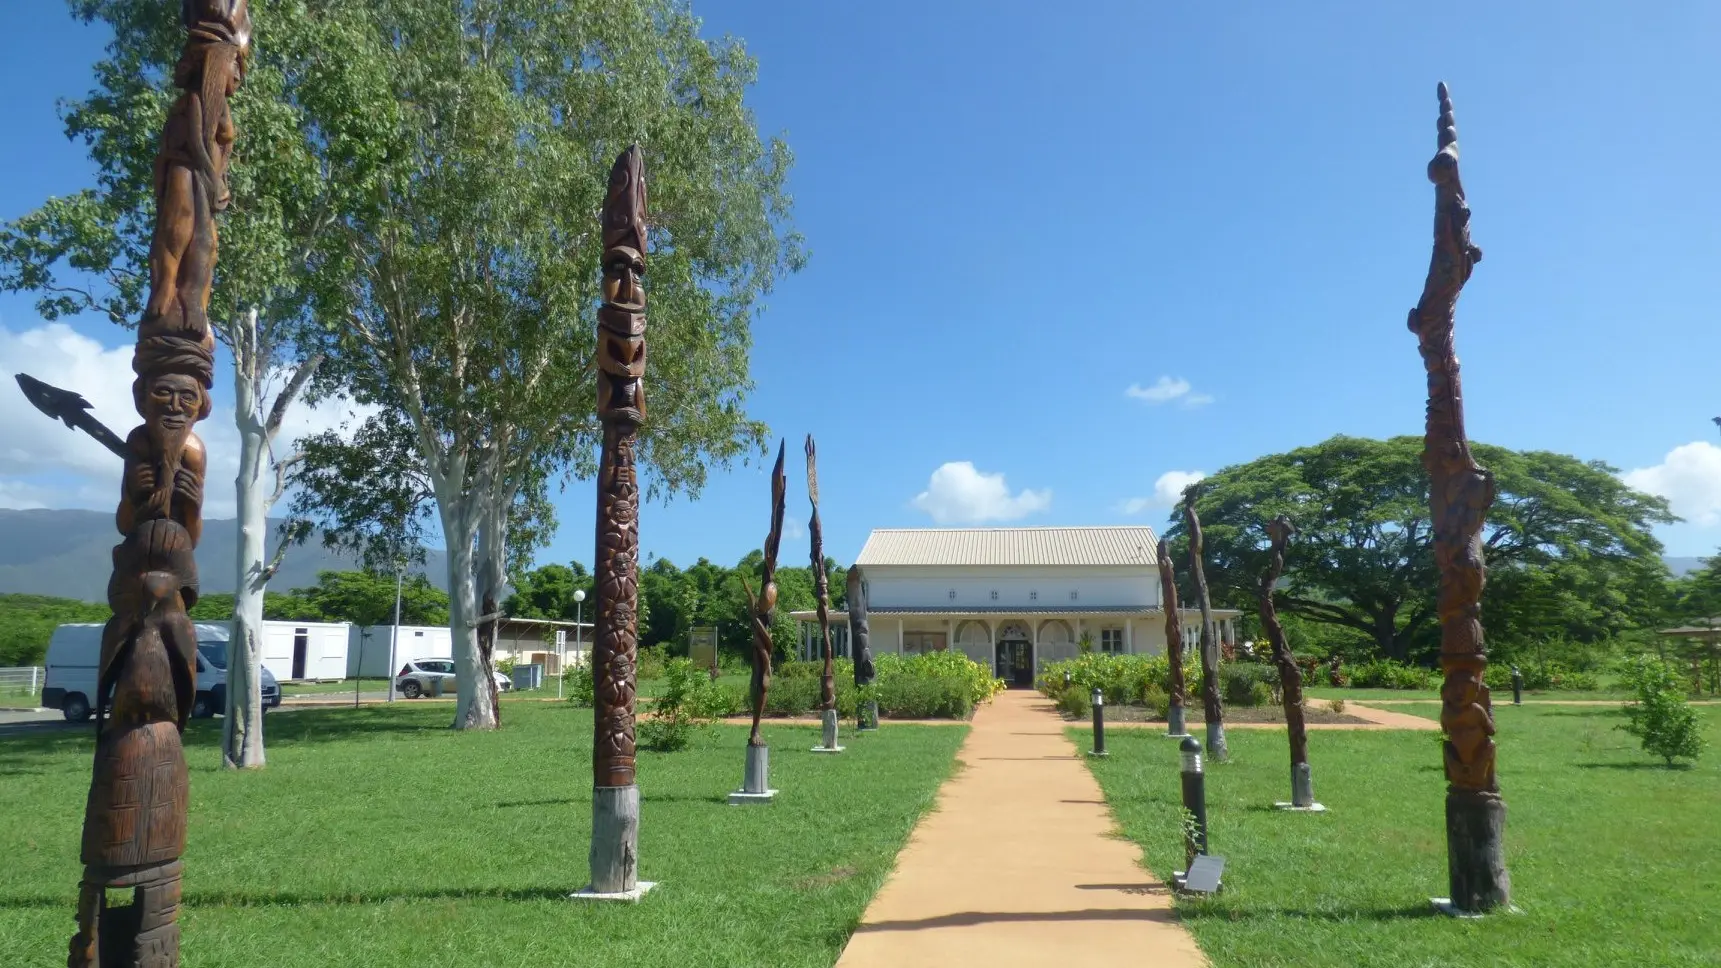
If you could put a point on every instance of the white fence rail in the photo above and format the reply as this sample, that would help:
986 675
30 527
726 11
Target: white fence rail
21 681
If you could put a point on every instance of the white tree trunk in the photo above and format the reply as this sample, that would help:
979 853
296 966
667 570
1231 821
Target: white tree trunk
242 733
476 707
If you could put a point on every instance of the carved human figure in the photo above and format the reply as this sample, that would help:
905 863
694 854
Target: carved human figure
165 462
858 630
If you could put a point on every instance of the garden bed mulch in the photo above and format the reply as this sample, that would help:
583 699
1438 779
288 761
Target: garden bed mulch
1313 715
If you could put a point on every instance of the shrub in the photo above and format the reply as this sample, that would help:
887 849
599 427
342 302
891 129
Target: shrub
792 696
924 697
1385 674
1122 679
1074 702
1157 701
577 682
715 700
670 727
796 669
651 662
506 667
1661 717
1338 707
1244 684
976 681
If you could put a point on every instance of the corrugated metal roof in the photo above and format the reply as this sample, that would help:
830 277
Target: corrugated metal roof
1126 545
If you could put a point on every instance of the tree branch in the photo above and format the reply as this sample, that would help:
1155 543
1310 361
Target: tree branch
288 394
282 466
1325 612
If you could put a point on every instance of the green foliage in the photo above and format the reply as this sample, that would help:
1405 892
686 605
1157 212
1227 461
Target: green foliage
975 682
1245 684
1386 674
362 598
1569 546
27 622
1074 701
1157 701
1661 717
651 662
674 713
578 685
1121 678
1551 675
548 592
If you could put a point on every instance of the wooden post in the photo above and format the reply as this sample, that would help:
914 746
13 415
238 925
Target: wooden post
134 818
821 582
621 409
1290 677
1460 493
1213 710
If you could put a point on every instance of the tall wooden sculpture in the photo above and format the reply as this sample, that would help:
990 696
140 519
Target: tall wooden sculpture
134 819
866 713
621 409
1290 677
821 583
755 783
1173 642
1212 710
763 607
822 592
1460 493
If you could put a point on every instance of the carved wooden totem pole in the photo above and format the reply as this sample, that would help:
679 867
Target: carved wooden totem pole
822 592
1460 493
621 409
1213 711
866 713
763 607
1290 677
1179 688
134 819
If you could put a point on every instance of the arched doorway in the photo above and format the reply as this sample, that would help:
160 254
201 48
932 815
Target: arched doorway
1015 656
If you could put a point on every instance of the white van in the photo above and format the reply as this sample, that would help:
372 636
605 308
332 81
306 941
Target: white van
75 652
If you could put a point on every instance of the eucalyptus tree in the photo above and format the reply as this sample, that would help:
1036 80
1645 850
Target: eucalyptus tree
88 252
467 146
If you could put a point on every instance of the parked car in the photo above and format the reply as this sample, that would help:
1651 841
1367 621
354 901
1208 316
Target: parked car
416 678
75 651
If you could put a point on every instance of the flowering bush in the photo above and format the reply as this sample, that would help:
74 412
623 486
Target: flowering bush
1120 678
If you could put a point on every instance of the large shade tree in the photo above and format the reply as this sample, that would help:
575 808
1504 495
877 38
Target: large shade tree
88 252
470 144
1563 533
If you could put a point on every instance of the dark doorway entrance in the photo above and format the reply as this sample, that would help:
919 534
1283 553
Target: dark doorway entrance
301 645
1015 663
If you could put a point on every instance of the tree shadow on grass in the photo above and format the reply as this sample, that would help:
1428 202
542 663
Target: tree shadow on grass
966 919
311 898
1339 916
1633 766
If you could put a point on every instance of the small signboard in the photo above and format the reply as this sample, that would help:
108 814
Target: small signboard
561 640
1203 876
702 646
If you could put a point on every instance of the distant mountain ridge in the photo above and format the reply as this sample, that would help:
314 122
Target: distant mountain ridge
69 553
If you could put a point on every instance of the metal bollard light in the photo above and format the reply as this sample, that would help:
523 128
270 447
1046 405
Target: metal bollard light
1517 687
1194 800
1099 723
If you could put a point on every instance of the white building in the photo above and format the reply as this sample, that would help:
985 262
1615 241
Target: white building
1013 598
369 647
296 651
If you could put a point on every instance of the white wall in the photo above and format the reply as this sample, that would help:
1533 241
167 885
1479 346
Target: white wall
1040 587
325 649
415 642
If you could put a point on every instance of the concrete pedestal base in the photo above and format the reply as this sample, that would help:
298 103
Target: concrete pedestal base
756 780
615 840
828 742
1445 906
638 892
1302 790
1311 808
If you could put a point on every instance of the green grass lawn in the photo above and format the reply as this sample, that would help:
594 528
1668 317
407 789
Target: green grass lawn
319 688
1500 696
377 836
1614 859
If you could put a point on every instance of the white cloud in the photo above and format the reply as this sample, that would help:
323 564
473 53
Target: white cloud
1689 477
31 445
960 494
1167 491
1167 389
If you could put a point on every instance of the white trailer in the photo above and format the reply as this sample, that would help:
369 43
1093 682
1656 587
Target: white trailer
299 651
368 648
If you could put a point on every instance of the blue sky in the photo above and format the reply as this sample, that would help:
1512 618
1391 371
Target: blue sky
1017 213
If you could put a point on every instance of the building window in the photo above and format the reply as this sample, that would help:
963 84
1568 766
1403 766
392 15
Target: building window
1033 596
1072 596
953 594
994 594
920 643
1111 640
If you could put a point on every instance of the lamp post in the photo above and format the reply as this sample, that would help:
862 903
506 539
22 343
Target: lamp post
393 632
579 628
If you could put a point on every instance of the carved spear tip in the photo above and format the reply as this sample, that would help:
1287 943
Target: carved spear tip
812 472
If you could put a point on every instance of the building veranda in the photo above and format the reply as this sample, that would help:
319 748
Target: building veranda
1013 599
